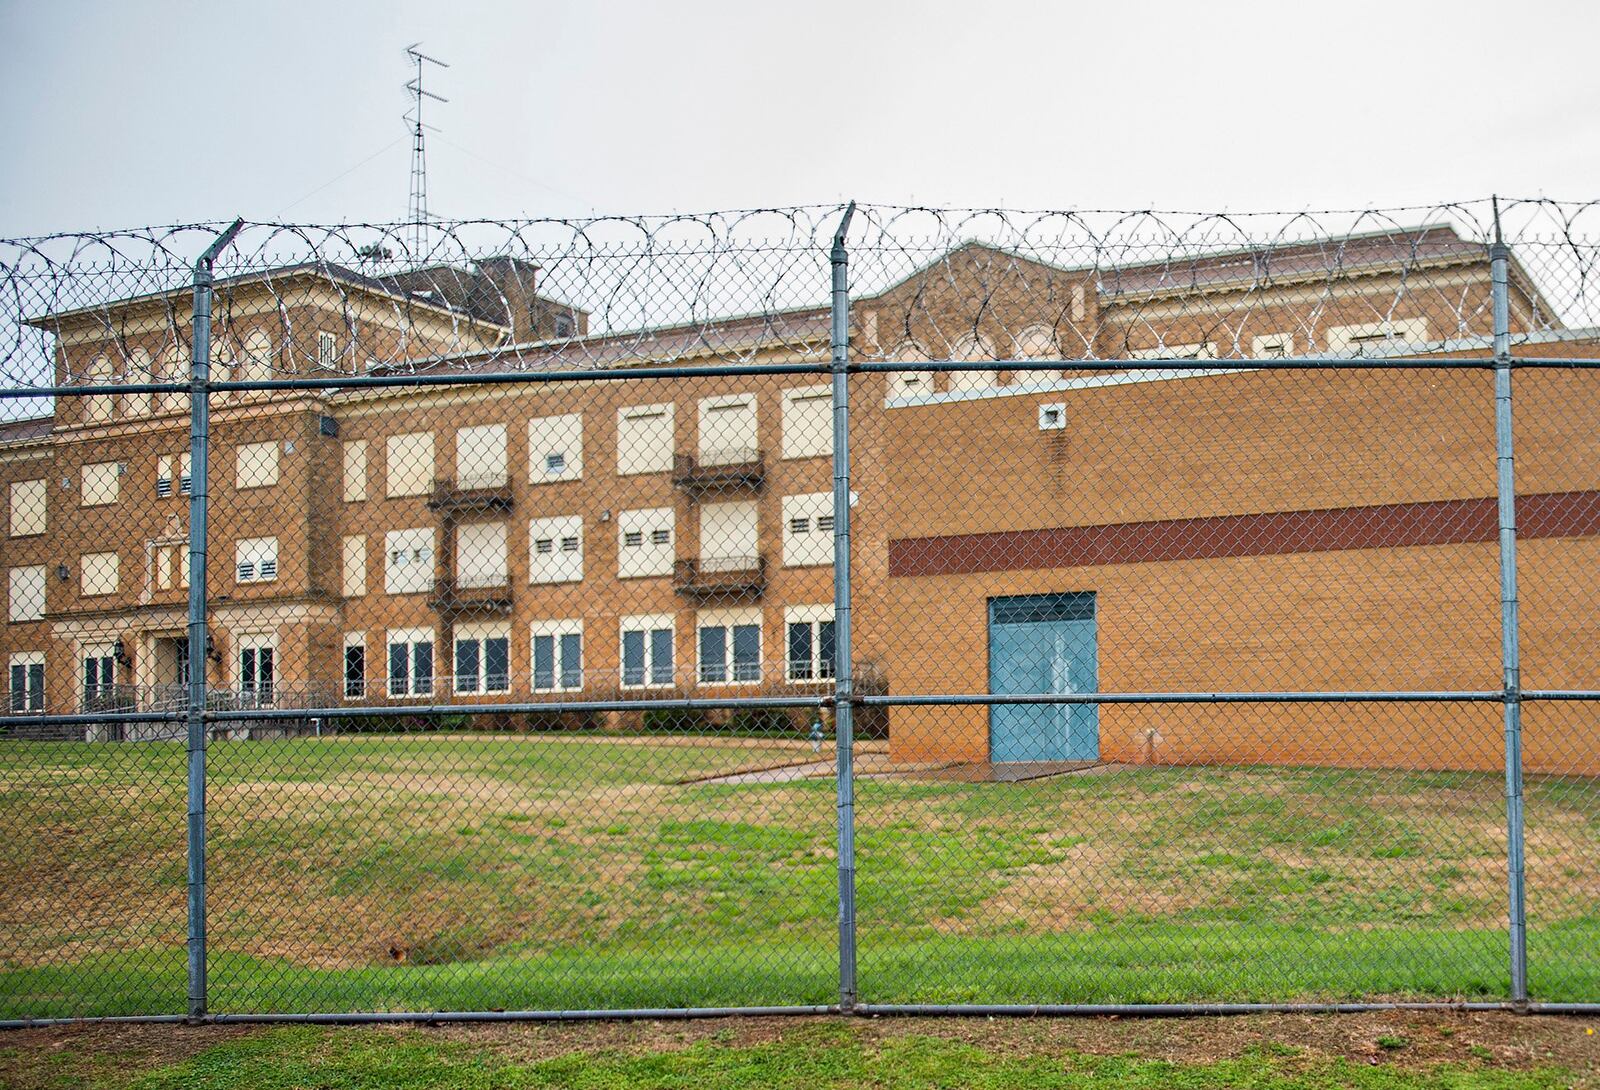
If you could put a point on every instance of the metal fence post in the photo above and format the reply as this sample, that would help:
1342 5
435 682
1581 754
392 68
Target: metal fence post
195 704
1511 652
843 685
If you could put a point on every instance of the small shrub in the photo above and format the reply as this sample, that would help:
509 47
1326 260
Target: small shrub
773 722
676 721
1391 1042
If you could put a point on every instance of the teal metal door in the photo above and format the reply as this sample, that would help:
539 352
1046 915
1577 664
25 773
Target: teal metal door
1043 643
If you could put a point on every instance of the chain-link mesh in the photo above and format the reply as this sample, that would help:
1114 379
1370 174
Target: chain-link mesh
1176 658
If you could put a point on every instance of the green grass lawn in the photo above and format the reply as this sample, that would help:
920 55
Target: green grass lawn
436 872
1352 1054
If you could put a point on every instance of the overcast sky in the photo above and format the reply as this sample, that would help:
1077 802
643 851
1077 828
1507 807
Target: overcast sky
118 113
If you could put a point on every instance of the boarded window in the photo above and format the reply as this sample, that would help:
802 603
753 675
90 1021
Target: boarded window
256 465
645 439
355 470
408 561
481 554
555 448
728 430
808 529
644 540
26 593
97 573
481 456
355 566
728 538
555 549
28 508
409 464
101 483
807 422
256 559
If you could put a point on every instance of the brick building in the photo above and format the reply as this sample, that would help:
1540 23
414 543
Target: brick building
660 536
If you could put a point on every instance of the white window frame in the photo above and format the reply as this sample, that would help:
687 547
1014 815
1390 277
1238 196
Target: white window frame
255 465
32 695
552 437
653 452
650 557
562 563
104 568
353 640
256 642
802 436
101 484
355 470
727 621
410 639
648 624
30 507
480 633
814 617
481 456
481 557
408 467
255 560
26 593
554 631
398 577
817 509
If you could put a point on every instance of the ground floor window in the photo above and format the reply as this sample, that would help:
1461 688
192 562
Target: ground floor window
647 652
355 667
257 669
483 660
730 650
99 677
27 682
411 662
557 655
810 643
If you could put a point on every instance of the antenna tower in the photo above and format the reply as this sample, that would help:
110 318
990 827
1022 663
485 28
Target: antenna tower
417 211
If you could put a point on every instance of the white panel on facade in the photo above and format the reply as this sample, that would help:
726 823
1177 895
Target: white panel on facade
645 438
481 554
555 448
728 430
408 464
644 542
256 465
807 422
26 587
729 539
808 529
481 456
101 484
355 470
555 549
355 566
408 560
29 508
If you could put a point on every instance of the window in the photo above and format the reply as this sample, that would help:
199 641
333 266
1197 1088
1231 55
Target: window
355 566
139 370
810 642
27 682
730 646
969 348
557 648
26 593
257 669
168 559
173 369
1272 346
355 470
647 652
645 542
1198 351
99 677
728 537
1052 417
555 448
408 561
483 658
555 549
255 560
1354 339
481 456
728 431
98 408
645 439
1038 342
256 465
355 665
327 351
411 662
481 554
169 466
28 508
101 484
409 464
808 529
97 573
807 422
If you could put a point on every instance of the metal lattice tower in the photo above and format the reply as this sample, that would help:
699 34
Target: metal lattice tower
417 210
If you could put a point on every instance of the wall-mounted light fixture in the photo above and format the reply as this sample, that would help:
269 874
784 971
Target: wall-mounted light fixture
119 651
63 572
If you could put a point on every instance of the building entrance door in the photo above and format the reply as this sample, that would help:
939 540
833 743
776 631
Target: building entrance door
1043 644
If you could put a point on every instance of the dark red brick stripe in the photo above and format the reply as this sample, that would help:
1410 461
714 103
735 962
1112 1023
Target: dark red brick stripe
1381 526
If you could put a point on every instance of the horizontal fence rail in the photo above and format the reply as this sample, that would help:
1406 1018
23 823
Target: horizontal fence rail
930 611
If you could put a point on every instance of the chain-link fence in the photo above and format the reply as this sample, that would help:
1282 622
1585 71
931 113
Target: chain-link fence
863 609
